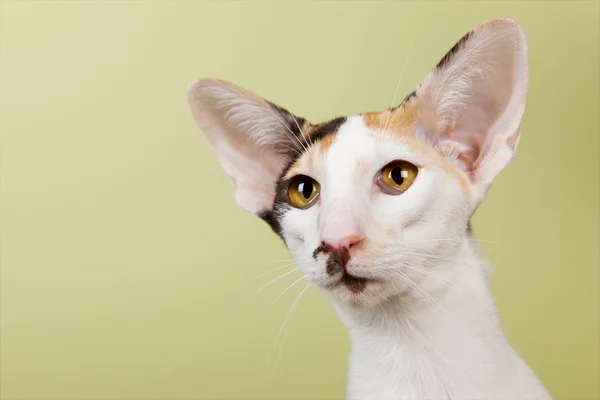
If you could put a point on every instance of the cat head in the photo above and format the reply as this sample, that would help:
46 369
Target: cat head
360 200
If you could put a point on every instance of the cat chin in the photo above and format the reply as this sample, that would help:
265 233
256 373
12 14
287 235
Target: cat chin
364 295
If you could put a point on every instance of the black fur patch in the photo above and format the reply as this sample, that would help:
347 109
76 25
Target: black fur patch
293 122
280 182
459 45
270 218
280 201
409 97
321 249
326 129
318 133
332 267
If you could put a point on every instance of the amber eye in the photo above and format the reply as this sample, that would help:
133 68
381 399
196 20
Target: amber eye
303 191
396 177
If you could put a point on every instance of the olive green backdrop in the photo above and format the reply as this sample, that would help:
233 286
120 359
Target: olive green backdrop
127 271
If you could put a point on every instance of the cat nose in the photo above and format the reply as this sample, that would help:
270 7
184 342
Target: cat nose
339 248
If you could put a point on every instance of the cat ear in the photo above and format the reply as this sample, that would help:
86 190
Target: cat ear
473 102
253 138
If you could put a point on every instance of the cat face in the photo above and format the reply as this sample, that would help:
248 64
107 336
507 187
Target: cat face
363 205
361 201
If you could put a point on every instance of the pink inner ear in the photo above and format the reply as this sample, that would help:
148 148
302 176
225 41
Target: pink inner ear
475 100
249 138
471 129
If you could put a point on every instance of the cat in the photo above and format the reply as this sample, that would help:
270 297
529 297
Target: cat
376 208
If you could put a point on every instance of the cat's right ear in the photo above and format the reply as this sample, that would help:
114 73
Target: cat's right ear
254 139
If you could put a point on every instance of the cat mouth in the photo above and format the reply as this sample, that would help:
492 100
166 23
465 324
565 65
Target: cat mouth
335 266
353 283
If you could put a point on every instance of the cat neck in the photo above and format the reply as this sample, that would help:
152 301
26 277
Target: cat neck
419 346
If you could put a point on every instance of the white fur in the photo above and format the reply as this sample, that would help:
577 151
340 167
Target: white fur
443 343
417 351
425 326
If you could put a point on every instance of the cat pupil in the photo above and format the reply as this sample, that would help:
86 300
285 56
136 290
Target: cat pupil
397 175
306 188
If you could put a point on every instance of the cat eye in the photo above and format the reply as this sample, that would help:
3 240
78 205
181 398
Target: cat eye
396 177
303 191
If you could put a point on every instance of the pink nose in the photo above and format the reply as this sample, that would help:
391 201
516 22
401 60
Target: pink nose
340 247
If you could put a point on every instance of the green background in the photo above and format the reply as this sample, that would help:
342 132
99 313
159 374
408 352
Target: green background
127 269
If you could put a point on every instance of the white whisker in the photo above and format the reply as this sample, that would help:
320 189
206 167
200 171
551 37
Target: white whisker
282 293
302 147
290 311
283 260
274 280
390 113
425 255
273 270
296 303
387 120
299 128
423 293
438 278
454 240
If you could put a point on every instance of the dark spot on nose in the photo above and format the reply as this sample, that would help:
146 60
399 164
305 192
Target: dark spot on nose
321 249
337 260
336 264
332 267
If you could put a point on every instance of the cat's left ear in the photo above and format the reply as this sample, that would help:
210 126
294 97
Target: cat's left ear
473 102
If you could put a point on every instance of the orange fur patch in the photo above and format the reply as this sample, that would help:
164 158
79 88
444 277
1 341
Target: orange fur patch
399 123
396 121
459 175
326 142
